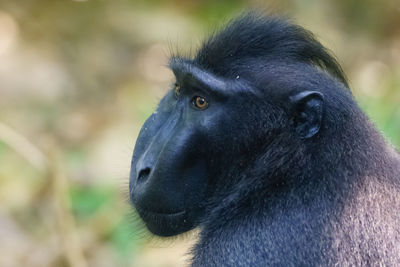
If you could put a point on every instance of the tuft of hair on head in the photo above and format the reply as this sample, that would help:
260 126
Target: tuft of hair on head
256 36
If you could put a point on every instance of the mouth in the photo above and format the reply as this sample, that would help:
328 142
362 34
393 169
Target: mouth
178 213
166 224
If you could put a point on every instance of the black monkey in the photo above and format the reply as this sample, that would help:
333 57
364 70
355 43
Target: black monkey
261 144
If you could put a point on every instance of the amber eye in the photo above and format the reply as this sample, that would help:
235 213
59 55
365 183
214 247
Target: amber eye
199 102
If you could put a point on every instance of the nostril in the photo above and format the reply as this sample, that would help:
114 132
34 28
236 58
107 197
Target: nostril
143 174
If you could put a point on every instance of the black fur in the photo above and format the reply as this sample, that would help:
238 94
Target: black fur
281 169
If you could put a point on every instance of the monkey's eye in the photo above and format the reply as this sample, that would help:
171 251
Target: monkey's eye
199 102
177 89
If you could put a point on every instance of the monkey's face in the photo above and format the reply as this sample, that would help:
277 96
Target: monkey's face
205 132
194 134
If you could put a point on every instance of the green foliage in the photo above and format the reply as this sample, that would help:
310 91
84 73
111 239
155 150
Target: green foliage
87 200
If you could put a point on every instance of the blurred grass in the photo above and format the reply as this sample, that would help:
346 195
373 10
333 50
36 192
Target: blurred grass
77 80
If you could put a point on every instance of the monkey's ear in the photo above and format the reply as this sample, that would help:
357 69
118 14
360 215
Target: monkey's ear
307 109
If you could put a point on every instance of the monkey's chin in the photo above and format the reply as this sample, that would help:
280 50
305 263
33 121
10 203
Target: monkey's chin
167 224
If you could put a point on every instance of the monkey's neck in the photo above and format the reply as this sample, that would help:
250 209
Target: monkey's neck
333 194
327 171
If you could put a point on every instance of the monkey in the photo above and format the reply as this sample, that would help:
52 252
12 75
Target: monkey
261 145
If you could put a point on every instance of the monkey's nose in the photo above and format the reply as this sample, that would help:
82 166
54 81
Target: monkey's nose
143 174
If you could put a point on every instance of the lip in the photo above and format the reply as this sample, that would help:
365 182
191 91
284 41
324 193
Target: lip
164 214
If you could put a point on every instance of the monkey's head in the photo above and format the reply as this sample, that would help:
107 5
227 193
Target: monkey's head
227 106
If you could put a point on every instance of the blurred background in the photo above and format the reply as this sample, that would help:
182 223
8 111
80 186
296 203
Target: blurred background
78 79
